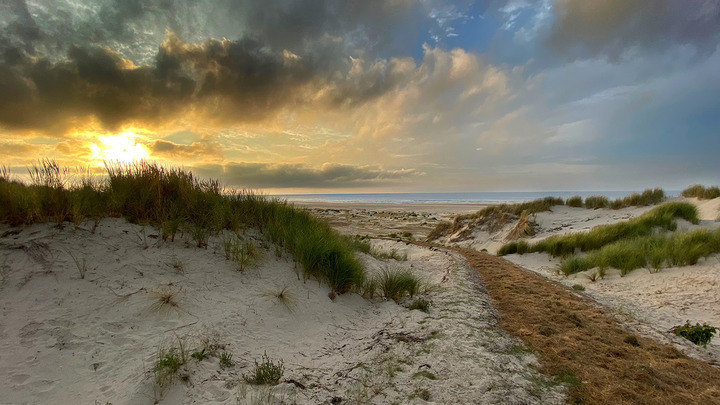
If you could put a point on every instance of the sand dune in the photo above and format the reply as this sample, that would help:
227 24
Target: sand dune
66 339
648 301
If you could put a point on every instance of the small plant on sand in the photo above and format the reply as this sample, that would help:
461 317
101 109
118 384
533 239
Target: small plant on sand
284 296
369 287
392 254
164 299
266 372
200 354
421 304
575 201
168 364
80 264
243 253
397 284
578 287
226 360
698 334
177 265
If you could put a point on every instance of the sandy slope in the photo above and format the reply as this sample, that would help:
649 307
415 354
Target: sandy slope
67 340
651 302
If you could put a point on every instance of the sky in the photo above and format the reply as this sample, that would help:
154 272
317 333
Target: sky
350 96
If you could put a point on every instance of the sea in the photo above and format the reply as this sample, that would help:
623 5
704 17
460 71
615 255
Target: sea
488 197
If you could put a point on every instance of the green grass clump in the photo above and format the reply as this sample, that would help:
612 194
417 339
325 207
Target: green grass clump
662 217
532 207
656 251
174 200
397 284
596 201
702 192
243 254
168 364
441 229
647 197
226 360
266 372
575 201
520 247
698 334
421 304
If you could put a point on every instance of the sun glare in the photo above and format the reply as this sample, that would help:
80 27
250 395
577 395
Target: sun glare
122 148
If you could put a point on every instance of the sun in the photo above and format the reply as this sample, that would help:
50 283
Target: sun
122 148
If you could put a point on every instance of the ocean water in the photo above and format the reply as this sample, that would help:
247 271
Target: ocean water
452 198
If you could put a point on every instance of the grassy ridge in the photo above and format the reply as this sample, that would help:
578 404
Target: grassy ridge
647 197
501 214
702 192
174 200
657 251
663 216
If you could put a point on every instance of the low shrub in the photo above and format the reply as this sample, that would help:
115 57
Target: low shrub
698 334
702 192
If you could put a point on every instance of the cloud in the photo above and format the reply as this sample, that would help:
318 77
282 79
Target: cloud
329 175
611 27
196 151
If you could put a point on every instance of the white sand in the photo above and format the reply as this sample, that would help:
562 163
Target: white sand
67 340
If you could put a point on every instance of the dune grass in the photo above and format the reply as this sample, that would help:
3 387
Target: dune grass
397 284
574 201
661 217
267 372
655 251
175 200
702 192
596 202
648 197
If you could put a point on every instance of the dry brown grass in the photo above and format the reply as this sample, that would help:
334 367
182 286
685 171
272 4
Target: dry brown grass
569 333
524 227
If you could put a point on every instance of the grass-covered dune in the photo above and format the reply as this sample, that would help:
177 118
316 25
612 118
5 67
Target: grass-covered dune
656 251
702 192
495 217
174 200
661 217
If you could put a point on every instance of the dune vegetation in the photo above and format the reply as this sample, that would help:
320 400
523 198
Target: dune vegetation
656 251
647 197
494 217
176 201
661 217
702 192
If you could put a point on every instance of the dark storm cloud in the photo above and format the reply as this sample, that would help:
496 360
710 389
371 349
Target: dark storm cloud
252 175
222 81
284 55
590 27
